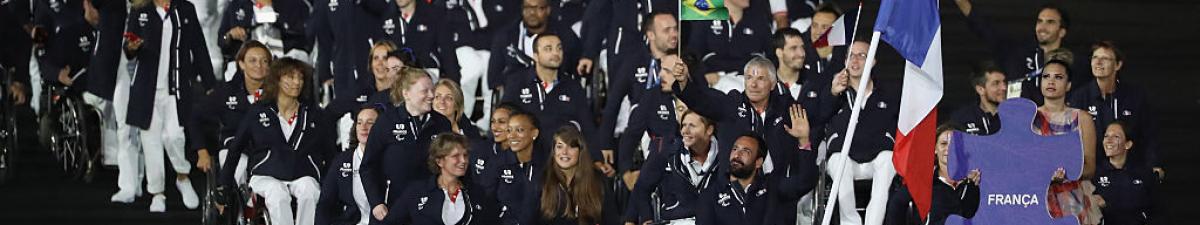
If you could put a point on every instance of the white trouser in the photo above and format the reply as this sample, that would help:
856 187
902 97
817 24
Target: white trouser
119 139
880 171
35 83
474 64
108 128
684 221
239 172
209 13
165 135
804 216
278 198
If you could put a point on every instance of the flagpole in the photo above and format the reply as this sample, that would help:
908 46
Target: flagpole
859 101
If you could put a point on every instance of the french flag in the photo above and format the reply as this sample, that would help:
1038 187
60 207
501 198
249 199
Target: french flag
914 29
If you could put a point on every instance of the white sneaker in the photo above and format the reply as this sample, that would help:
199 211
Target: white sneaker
123 197
190 200
159 204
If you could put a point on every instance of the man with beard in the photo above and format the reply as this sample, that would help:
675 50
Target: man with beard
746 195
1022 59
513 47
983 120
550 94
779 121
638 76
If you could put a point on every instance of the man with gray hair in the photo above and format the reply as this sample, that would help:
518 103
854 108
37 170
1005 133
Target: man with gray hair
762 110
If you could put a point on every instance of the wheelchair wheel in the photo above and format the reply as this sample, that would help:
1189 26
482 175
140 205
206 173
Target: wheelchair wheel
77 138
8 149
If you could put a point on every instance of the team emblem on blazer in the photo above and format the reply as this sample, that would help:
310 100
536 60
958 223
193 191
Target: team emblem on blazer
748 31
231 103
760 193
389 27
346 169
479 167
84 43
641 74
421 205
882 105
564 98
333 4
723 199
507 175
812 94
421 27
526 97
663 112
142 19
400 132
262 118
716 27
241 14
741 111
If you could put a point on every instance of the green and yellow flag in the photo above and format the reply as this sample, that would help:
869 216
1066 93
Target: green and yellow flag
704 10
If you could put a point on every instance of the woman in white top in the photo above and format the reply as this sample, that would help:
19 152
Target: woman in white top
343 200
448 197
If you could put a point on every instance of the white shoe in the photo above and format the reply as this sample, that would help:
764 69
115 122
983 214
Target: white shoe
123 197
159 204
190 200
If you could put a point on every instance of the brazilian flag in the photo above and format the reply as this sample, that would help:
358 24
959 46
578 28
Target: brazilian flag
704 10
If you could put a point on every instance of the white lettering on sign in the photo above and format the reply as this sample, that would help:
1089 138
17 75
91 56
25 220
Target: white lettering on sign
1012 199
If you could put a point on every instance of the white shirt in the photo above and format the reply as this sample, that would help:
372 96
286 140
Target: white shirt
287 127
696 170
360 195
164 50
452 212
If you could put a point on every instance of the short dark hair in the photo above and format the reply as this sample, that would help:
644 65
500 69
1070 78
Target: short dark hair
1111 46
762 144
533 120
405 55
512 109
648 22
829 7
1065 21
980 77
1066 66
780 38
541 36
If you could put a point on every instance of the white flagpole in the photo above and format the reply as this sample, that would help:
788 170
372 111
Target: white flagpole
859 100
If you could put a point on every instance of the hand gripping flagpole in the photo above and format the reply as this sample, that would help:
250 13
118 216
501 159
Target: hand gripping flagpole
856 108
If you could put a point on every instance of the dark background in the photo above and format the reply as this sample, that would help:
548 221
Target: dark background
1159 38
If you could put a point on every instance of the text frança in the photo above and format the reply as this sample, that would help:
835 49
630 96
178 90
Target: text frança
1012 199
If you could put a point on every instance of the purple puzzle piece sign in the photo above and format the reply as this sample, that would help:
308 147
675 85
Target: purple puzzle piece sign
1016 165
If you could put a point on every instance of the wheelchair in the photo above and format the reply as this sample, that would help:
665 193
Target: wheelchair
70 130
8 130
243 207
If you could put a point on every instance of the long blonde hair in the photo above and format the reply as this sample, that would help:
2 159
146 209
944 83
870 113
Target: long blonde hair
456 93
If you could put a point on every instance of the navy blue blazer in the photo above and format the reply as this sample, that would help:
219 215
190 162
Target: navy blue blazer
189 57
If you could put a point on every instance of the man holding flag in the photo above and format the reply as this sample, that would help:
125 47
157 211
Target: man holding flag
914 29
